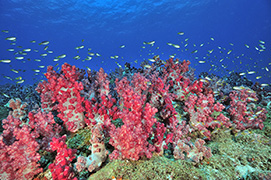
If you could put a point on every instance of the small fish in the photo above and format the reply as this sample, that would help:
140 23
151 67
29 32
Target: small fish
181 33
204 80
262 46
45 48
238 87
14 70
21 81
97 54
5 31
27 50
50 52
43 55
229 51
41 66
91 54
258 77
241 74
195 51
19 58
122 46
5 95
115 57
259 112
210 51
264 85
209 79
201 44
118 64
44 43
61 56
152 60
33 41
247 46
150 43
11 38
88 58
147 66
10 50
76 57
5 60
38 60
79 47
262 42
251 99
7 77
56 59
176 45
201 62
88 68
19 78
251 72
212 39
170 44
36 70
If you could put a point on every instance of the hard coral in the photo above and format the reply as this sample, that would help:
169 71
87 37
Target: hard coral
98 151
194 152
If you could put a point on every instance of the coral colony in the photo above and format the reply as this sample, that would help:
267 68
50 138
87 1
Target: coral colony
130 114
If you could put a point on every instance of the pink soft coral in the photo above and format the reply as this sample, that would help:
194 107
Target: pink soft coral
18 151
130 140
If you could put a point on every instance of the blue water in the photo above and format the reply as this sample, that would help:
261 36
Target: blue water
105 25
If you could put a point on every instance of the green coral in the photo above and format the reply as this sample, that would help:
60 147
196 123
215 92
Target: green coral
155 168
239 156
3 114
80 140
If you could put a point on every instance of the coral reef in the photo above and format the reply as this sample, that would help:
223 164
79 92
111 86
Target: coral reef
154 122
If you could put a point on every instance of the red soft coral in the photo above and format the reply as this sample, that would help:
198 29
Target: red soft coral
61 169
